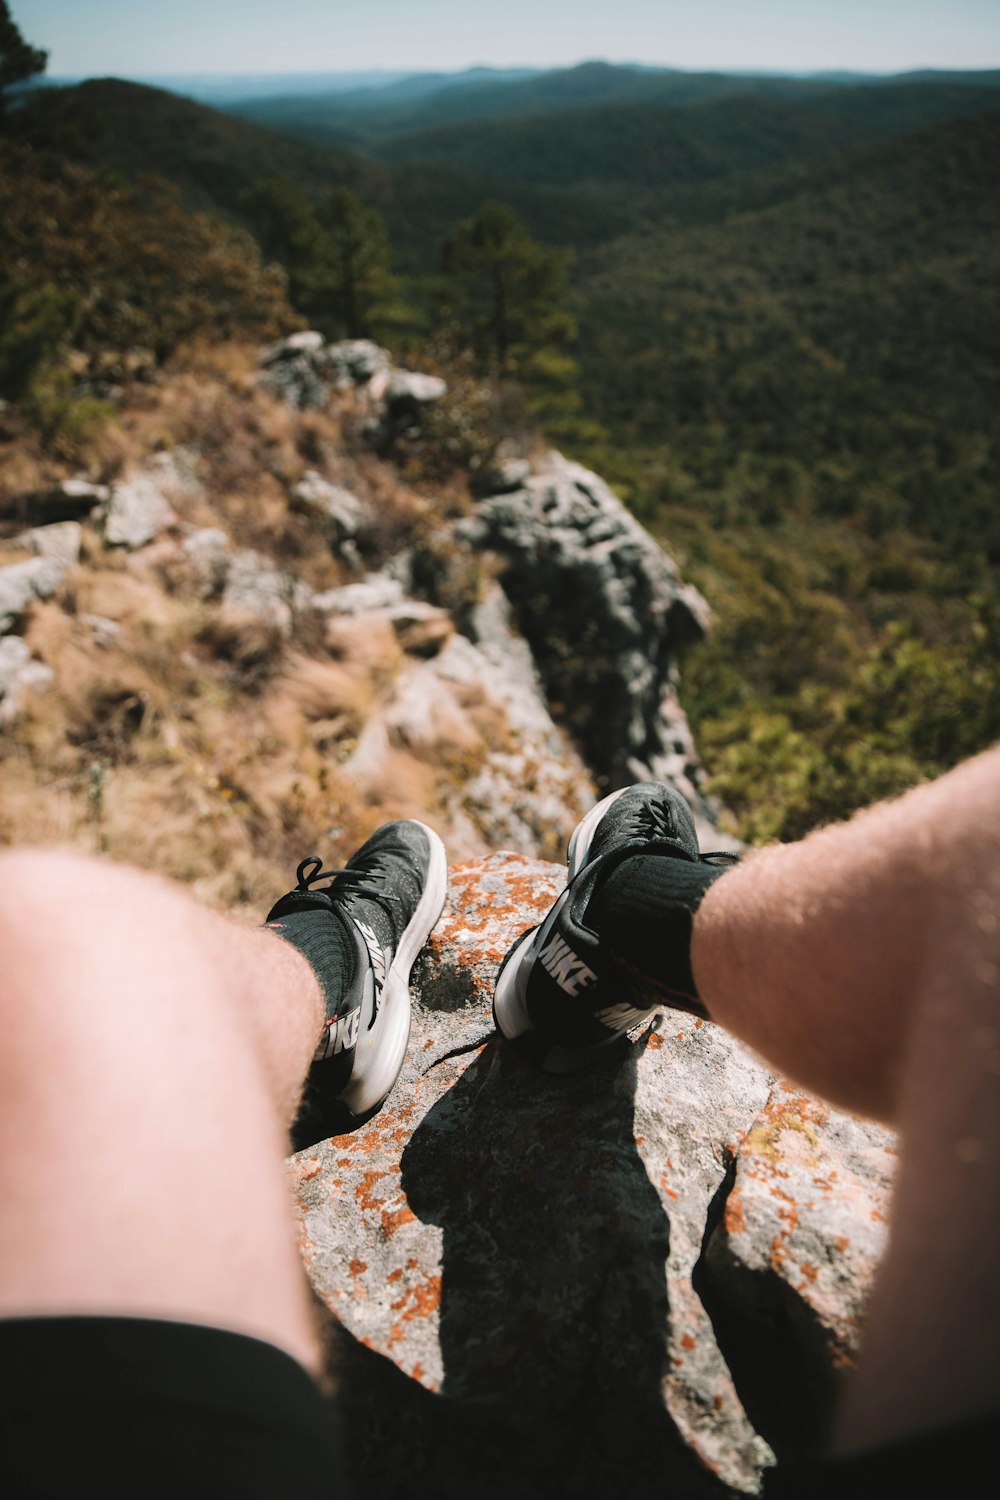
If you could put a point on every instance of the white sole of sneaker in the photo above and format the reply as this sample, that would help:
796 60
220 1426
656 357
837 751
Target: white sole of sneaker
381 1048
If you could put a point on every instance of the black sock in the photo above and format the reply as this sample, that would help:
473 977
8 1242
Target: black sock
331 949
643 913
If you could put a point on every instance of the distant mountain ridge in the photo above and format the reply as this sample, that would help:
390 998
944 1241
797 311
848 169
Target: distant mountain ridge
429 101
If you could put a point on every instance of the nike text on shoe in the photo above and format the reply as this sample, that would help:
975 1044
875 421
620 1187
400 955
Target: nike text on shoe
616 942
361 932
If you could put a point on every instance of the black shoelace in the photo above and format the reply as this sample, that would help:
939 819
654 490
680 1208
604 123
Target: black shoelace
655 820
351 881
346 882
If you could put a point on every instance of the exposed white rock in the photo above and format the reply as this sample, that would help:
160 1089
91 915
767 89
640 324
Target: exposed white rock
789 1262
176 472
254 587
408 386
207 550
377 591
61 540
353 362
83 493
137 513
19 672
20 583
342 513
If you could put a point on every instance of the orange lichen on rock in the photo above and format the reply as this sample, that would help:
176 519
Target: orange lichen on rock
419 1300
733 1215
365 1190
393 1219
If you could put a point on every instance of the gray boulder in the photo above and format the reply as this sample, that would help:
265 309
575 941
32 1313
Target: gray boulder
19 671
21 583
606 614
317 495
255 587
516 1264
305 372
376 591
137 513
207 552
408 389
340 513
62 541
353 362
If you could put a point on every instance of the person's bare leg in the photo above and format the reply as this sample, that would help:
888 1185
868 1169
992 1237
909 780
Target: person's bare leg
152 1055
865 963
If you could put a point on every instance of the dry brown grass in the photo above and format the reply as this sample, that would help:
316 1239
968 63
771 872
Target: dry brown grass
204 745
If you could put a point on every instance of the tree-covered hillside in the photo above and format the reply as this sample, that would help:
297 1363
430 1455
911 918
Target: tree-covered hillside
640 146
212 157
802 401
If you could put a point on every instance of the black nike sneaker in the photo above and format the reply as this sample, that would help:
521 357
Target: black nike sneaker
573 986
361 932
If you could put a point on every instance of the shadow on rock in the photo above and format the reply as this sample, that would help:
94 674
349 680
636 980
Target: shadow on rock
554 1312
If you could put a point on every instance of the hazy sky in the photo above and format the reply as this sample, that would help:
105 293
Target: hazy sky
88 37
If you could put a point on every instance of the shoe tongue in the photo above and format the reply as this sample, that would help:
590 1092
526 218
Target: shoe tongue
301 901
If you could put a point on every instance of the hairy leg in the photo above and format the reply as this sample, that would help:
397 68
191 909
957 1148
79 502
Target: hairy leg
865 963
152 1055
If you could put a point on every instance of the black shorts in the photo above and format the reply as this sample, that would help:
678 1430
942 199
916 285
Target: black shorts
952 1461
130 1407
147 1409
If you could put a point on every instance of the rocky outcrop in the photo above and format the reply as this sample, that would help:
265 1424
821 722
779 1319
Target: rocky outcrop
539 1284
602 606
606 614
305 372
501 771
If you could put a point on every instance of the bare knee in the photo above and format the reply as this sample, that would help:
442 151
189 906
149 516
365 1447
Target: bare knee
89 947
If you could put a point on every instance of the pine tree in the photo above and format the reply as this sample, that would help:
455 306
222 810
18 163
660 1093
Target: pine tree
355 285
506 291
18 60
336 254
